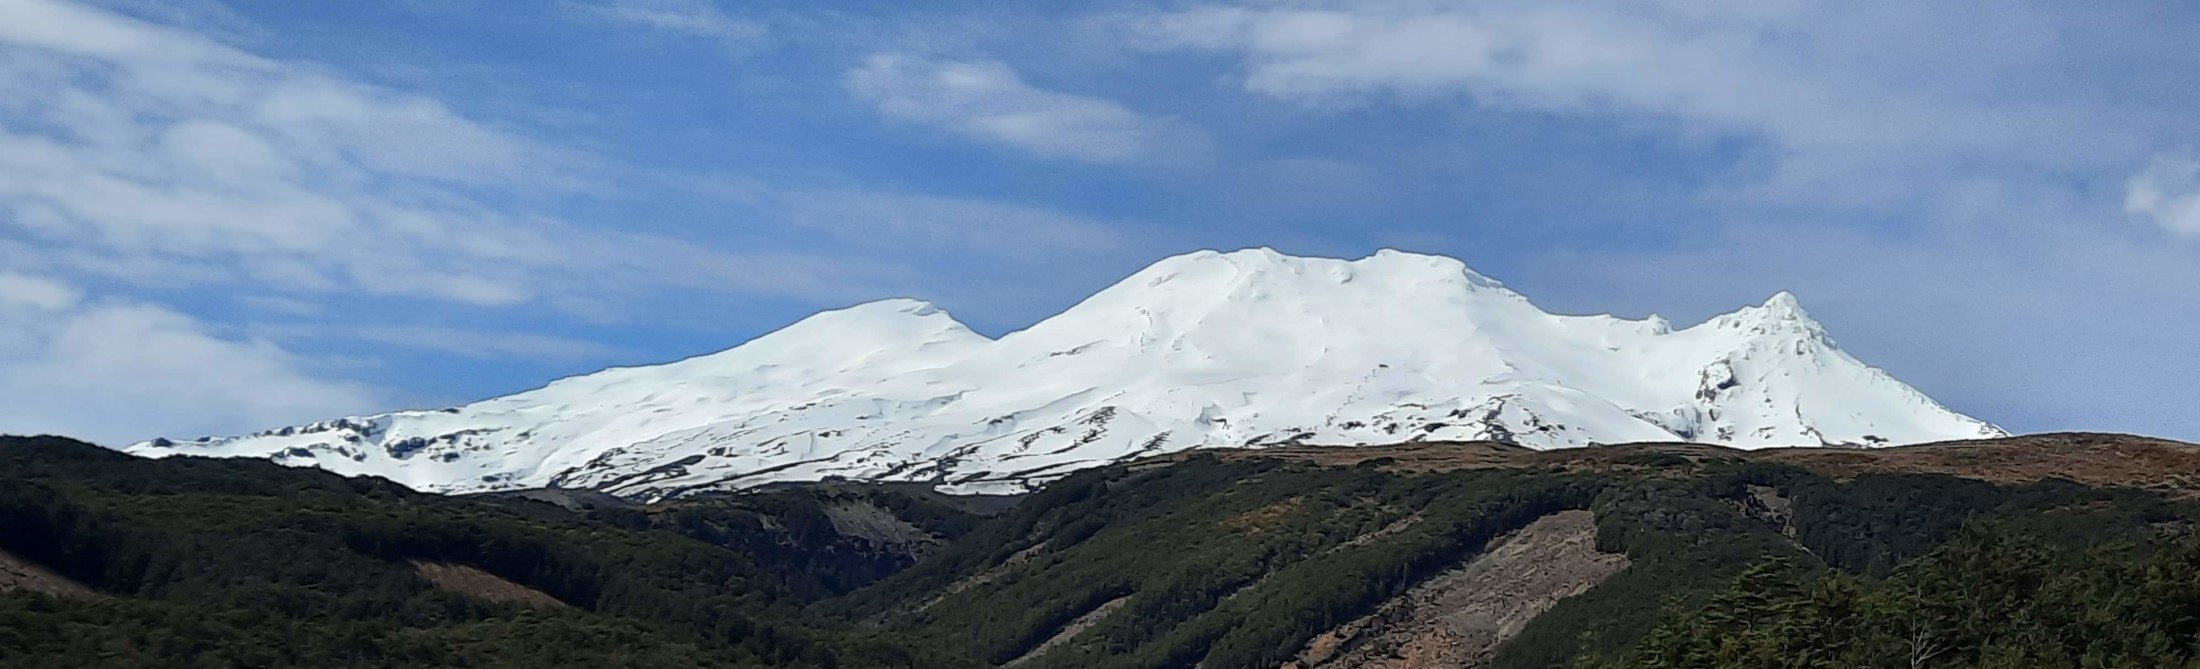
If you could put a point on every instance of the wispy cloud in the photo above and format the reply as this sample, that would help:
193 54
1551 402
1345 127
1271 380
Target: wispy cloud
116 371
139 151
464 342
148 159
36 293
685 18
908 222
143 142
1857 104
987 101
2168 194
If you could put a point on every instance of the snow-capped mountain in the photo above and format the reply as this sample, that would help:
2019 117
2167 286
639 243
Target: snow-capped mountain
1251 348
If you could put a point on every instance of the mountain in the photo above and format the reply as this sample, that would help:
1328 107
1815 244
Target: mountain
1251 348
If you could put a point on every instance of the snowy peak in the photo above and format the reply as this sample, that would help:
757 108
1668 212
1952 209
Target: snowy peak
894 322
1781 315
1243 349
1258 300
1259 274
882 332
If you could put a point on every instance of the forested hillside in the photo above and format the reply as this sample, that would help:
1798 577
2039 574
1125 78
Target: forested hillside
1642 556
223 563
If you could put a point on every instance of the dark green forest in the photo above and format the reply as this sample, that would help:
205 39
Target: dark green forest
1211 562
221 563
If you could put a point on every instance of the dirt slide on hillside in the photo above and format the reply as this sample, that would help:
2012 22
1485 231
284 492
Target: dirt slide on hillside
483 585
1460 617
20 574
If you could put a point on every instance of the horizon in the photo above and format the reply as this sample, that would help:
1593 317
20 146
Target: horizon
221 217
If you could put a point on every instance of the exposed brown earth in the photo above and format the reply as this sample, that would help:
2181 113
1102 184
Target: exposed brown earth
472 582
2089 458
1459 617
19 574
1071 630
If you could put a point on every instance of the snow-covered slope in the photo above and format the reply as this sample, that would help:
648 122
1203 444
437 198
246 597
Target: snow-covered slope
1250 348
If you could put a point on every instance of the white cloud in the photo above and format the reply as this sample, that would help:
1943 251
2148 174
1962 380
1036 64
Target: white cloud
1546 56
144 149
1856 104
115 371
148 156
146 153
987 101
2167 193
23 292
692 18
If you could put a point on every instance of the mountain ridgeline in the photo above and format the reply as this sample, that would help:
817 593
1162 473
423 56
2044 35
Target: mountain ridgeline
2043 551
1244 349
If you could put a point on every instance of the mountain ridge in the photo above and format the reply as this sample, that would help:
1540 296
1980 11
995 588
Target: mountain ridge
1207 349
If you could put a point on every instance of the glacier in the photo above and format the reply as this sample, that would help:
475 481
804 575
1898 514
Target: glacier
1244 349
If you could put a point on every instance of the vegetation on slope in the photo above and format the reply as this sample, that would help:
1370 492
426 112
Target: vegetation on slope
1236 561
1216 561
1986 600
244 563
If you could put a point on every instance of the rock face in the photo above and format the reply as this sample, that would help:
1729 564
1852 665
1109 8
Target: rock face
1459 617
1251 348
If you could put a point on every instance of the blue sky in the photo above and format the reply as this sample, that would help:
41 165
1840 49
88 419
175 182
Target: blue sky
219 217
